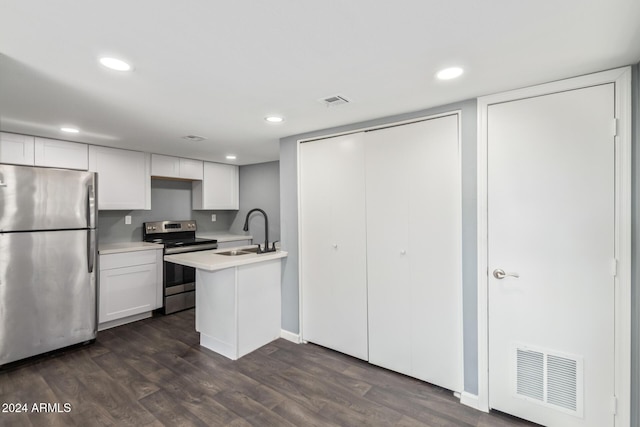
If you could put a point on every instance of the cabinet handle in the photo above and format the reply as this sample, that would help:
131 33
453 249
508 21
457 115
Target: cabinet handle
3 184
403 252
335 246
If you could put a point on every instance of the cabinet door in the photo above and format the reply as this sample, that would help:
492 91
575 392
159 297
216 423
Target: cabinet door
16 149
61 154
191 169
127 291
165 166
124 180
219 188
333 244
413 249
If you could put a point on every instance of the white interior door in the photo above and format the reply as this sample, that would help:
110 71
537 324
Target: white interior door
551 219
333 261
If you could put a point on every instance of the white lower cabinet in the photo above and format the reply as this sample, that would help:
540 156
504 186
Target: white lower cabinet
130 286
380 247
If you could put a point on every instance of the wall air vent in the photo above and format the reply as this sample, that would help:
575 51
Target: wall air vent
334 101
194 138
550 378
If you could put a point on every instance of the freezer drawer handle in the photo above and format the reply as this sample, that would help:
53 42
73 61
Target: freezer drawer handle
3 184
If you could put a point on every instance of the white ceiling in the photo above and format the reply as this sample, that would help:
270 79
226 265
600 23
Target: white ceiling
217 68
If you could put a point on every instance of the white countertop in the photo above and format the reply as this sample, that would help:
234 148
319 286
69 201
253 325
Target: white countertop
211 261
223 236
115 248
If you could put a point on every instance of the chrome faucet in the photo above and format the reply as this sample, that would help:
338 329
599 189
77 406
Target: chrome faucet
266 231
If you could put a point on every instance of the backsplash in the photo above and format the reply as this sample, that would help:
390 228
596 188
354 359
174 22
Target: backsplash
170 200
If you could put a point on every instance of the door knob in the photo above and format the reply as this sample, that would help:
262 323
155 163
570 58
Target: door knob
500 274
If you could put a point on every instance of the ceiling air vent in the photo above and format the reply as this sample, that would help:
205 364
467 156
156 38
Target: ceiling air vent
334 101
194 138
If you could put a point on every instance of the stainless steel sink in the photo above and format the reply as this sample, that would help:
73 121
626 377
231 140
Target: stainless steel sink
235 253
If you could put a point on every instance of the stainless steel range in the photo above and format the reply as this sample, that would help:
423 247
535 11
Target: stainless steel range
179 281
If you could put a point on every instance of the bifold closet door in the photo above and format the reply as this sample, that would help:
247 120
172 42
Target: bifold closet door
413 250
333 244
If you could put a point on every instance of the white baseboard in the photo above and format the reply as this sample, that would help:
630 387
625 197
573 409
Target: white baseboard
119 322
214 344
290 336
471 400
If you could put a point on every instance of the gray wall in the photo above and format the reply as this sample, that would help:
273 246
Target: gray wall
289 219
170 200
635 241
259 188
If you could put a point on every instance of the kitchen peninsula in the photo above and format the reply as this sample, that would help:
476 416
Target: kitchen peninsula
237 298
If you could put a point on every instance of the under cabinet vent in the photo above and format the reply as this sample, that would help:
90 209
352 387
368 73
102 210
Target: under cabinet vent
549 378
334 101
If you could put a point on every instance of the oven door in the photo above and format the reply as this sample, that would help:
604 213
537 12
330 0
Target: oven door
179 287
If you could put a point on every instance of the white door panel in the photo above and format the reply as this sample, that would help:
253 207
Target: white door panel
333 244
551 221
413 249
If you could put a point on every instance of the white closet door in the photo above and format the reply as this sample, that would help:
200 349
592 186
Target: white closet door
333 244
413 247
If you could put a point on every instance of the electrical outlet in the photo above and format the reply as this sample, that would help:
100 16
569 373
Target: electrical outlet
213 217
127 219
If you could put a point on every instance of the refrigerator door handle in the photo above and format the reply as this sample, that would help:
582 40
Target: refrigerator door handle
91 249
91 207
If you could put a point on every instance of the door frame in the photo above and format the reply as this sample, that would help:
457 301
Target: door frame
622 352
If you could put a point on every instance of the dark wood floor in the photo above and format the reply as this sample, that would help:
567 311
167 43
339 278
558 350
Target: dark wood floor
154 373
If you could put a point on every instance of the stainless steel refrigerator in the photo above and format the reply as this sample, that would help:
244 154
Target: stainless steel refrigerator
47 260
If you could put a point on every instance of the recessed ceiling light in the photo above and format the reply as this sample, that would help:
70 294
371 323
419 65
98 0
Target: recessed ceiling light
450 73
69 129
274 119
115 64
231 157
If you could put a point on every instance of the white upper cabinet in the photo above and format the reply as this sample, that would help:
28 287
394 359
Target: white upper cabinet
61 154
165 166
16 149
124 178
176 167
191 169
219 188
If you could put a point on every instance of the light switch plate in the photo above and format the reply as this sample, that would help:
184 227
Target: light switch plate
213 217
127 219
